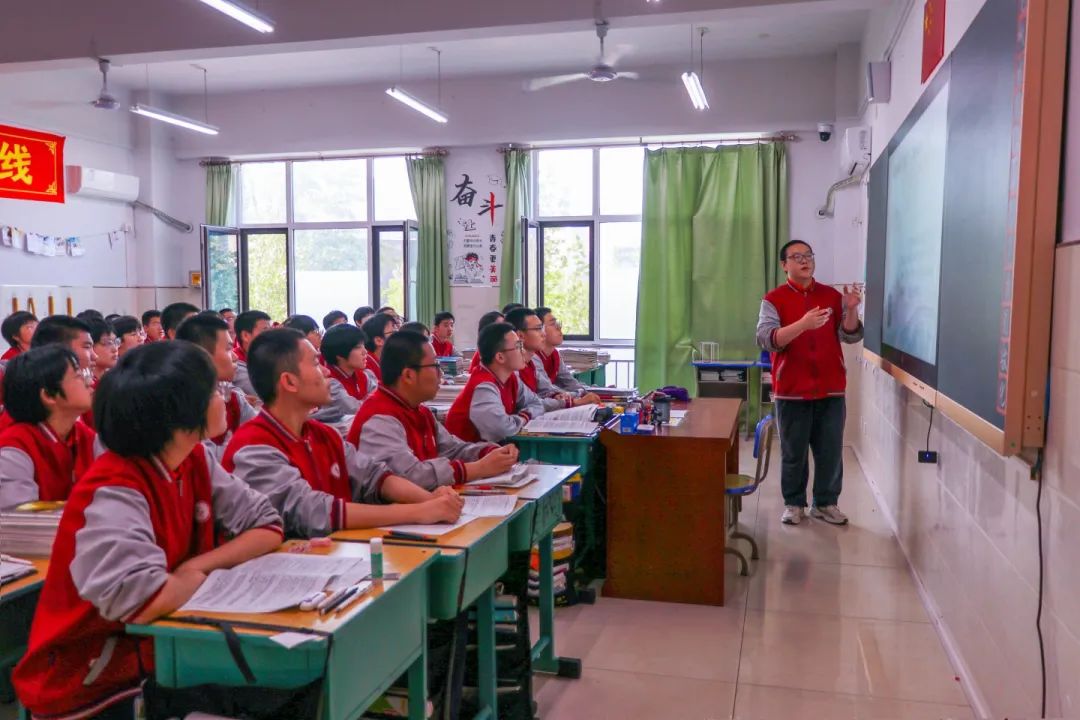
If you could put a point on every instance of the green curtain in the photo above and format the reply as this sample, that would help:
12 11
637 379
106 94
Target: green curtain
713 222
517 206
219 178
428 184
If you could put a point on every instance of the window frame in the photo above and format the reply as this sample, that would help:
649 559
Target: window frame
369 224
591 227
595 219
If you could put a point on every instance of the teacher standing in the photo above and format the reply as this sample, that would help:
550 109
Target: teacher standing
802 324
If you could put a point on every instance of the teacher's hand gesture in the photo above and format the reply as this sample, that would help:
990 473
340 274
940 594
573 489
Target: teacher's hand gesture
852 297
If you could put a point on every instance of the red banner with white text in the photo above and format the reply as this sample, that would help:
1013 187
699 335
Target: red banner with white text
31 165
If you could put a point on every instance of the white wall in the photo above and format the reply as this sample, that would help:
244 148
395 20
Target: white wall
968 524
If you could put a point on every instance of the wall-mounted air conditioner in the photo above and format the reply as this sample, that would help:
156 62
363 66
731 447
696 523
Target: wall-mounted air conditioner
90 183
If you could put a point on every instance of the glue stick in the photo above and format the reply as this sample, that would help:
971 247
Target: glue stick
376 558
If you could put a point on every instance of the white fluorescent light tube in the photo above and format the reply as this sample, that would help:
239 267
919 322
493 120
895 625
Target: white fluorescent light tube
402 96
174 119
694 89
245 15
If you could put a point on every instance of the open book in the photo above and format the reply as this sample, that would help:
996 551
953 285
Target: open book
571 421
515 477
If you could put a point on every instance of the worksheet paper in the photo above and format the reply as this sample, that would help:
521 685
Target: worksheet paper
275 582
475 507
517 476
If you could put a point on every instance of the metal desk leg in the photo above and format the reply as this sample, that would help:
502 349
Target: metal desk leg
544 658
418 683
485 650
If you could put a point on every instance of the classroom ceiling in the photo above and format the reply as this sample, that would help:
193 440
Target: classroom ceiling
798 31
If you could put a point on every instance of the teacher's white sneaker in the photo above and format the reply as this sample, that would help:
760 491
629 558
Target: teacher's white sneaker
793 515
830 514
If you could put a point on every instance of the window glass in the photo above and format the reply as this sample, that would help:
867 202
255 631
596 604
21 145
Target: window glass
620 259
330 191
262 193
565 182
392 268
331 270
567 256
393 196
222 263
268 272
621 171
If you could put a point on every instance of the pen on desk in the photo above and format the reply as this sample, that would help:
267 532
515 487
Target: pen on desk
344 596
398 535
331 598
15 560
361 590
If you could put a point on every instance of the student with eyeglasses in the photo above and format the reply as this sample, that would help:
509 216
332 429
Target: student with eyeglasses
105 355
558 372
531 331
394 426
802 323
129 331
495 403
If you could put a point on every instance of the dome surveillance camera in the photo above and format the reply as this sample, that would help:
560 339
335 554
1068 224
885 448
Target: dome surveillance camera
824 131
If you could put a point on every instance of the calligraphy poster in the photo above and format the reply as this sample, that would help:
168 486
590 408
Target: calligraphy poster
31 165
475 198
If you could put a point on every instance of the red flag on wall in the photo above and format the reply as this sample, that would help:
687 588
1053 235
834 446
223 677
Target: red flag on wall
31 165
933 37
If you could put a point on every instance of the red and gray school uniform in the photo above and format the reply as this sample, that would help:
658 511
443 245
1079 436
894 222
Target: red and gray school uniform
373 367
10 353
128 523
347 392
237 412
811 366
490 410
310 478
536 379
412 442
241 379
442 349
35 464
560 374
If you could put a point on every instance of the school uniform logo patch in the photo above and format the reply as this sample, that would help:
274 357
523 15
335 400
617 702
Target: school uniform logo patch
335 471
202 511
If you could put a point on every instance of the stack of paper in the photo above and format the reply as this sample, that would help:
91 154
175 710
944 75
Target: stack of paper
580 359
475 507
517 476
572 421
448 393
621 395
274 582
13 569
29 533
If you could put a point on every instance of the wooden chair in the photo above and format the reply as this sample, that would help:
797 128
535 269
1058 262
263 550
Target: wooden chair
738 486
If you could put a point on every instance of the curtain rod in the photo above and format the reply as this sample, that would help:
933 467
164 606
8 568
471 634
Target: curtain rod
426 152
645 142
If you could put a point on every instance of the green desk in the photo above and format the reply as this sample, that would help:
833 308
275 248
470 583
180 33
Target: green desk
585 512
18 600
374 642
597 377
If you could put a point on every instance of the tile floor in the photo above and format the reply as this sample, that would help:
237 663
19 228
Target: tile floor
828 625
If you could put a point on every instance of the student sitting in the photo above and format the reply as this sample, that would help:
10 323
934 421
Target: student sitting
394 427
105 355
17 329
46 449
229 316
129 332
560 375
88 315
173 315
151 322
494 404
377 328
417 327
138 535
387 310
249 325
334 317
211 333
531 331
362 314
319 482
306 326
442 335
511 306
72 334
351 383
488 318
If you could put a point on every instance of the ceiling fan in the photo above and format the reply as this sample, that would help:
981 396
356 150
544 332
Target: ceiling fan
603 71
104 100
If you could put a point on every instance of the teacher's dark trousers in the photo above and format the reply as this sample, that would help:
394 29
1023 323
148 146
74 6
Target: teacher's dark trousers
815 426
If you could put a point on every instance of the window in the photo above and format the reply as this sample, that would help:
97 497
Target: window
567 250
262 194
330 191
589 250
332 270
565 182
393 195
308 242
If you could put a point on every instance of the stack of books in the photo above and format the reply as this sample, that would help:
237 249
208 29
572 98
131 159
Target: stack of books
617 395
580 359
563 551
27 533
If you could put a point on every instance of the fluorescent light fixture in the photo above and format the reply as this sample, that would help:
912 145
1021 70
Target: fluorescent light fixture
246 15
402 96
694 89
173 119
